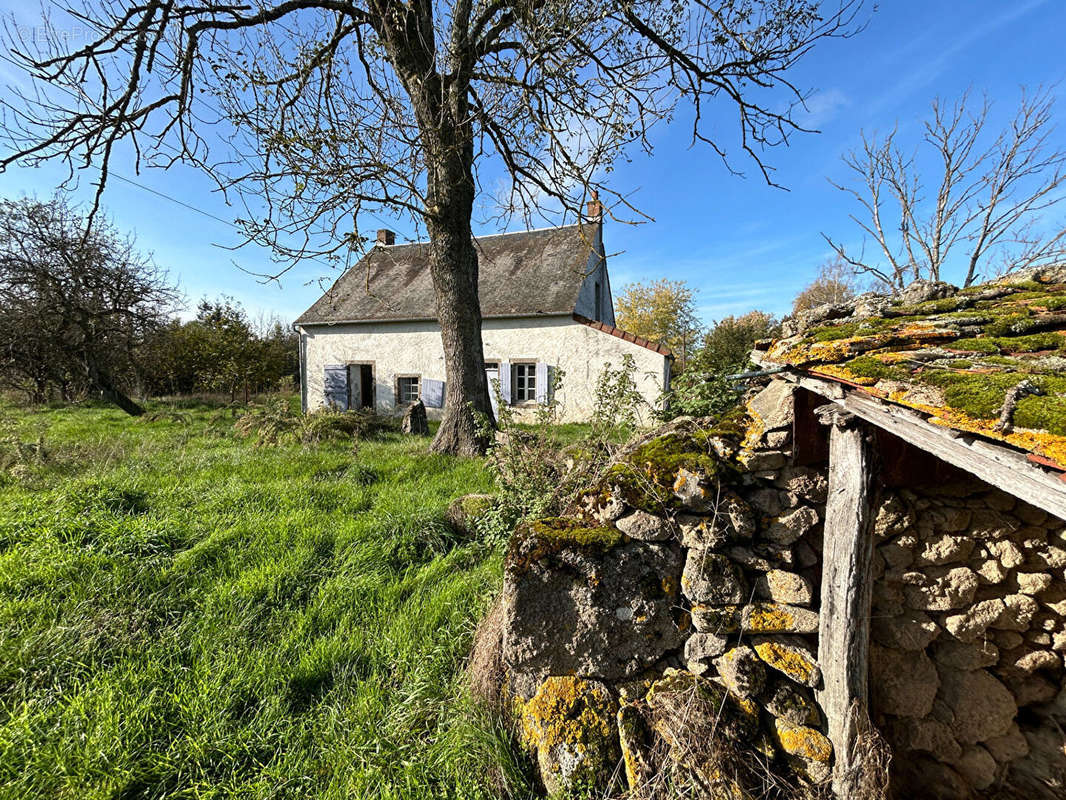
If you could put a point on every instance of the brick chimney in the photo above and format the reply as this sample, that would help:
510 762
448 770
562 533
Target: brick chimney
386 237
593 209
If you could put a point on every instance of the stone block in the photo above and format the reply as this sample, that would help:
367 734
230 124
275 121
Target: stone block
791 526
711 578
691 492
570 726
799 740
716 619
772 408
644 526
971 623
927 735
762 618
791 703
792 657
940 588
982 707
911 630
781 586
977 766
583 601
809 484
902 683
1018 611
943 549
633 738
964 655
1032 583
1009 746
894 517
741 671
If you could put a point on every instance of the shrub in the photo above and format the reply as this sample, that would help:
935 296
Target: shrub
535 473
277 422
701 394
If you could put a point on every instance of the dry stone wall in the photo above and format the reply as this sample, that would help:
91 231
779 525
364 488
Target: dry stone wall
661 636
969 630
678 598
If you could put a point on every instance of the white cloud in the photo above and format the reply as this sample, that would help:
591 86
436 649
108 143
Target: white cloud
821 108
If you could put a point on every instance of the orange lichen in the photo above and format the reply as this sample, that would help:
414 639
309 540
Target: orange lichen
955 359
787 660
803 742
569 712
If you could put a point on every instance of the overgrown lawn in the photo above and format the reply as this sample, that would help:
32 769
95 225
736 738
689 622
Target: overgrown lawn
184 615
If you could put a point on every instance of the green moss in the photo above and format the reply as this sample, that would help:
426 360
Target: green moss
968 317
942 306
870 367
979 396
849 330
1008 324
541 538
1055 303
1042 413
661 458
559 530
475 505
1013 344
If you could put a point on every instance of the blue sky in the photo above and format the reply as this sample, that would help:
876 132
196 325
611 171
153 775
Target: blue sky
739 242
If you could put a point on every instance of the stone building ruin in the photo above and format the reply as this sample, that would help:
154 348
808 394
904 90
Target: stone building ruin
858 585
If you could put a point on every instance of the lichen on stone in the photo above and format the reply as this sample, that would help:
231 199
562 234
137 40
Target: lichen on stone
539 538
970 348
570 724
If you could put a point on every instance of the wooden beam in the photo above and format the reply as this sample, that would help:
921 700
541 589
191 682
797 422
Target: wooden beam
996 464
844 616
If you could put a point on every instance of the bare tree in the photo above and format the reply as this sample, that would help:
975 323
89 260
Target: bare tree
314 112
988 199
835 283
81 303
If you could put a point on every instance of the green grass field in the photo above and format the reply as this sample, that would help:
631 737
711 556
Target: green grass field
184 615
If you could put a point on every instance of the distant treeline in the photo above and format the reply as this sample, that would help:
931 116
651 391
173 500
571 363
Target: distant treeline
83 313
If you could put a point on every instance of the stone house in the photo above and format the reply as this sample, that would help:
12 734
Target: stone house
867 568
372 340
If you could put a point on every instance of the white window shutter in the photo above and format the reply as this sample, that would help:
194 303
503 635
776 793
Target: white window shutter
505 381
336 386
542 382
433 393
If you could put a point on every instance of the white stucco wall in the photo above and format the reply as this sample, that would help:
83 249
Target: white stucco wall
406 348
596 275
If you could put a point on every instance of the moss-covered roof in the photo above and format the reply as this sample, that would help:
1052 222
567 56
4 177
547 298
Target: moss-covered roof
957 358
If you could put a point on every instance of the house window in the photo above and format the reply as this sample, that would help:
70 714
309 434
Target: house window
524 380
407 389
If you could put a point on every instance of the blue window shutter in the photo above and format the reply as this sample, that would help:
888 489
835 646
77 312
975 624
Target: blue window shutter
505 381
433 393
336 386
542 382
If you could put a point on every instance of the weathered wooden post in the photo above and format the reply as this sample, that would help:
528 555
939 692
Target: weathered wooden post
844 624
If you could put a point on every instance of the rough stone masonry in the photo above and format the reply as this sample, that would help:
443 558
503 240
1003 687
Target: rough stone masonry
675 605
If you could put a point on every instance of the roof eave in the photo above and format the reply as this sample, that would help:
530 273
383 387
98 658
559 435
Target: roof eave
329 323
1033 478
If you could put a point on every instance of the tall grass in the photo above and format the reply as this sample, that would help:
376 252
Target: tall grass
185 615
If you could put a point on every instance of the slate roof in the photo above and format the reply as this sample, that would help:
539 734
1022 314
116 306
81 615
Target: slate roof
988 360
530 273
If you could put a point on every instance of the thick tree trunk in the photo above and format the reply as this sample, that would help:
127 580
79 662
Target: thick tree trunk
447 140
454 267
